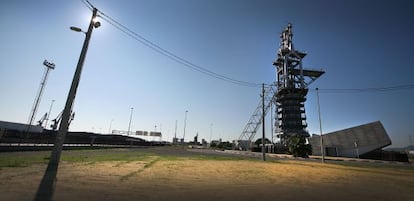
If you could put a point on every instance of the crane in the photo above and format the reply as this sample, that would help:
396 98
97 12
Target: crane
57 120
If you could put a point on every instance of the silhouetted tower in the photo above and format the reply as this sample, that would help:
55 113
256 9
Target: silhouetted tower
49 66
292 88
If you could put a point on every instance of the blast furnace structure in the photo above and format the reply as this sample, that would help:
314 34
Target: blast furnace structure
288 94
292 87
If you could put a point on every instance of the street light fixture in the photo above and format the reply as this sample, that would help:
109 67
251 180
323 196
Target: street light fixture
76 29
46 187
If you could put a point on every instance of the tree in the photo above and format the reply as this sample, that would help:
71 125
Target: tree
259 141
225 145
298 148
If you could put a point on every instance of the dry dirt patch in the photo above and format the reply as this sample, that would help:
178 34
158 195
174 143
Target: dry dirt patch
189 179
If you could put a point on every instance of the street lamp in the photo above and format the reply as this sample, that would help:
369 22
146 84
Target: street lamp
185 122
211 132
320 127
46 187
76 29
110 126
356 149
130 119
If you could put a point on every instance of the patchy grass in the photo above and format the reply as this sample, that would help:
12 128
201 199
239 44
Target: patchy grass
96 156
146 166
22 160
171 173
90 157
219 158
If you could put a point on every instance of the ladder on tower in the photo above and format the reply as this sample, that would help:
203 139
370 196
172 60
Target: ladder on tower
249 131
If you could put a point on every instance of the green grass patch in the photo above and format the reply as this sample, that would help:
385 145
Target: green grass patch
105 155
22 161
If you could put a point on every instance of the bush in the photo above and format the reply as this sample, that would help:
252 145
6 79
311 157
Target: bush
298 148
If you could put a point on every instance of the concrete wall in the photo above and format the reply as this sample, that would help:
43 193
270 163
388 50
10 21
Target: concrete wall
353 141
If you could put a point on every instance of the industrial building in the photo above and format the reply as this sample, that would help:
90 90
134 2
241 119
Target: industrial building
5 125
352 142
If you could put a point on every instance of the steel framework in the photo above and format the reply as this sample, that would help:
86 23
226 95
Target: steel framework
289 97
249 131
292 88
49 66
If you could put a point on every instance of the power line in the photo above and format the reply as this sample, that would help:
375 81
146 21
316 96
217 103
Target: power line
198 68
167 53
87 4
368 90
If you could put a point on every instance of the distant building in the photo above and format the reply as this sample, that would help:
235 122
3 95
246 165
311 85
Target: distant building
214 143
4 126
352 142
175 140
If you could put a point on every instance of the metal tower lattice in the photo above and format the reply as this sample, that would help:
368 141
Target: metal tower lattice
289 98
49 66
249 131
292 88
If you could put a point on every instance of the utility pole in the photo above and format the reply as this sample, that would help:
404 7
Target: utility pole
263 124
110 126
356 149
320 126
211 132
130 119
271 121
185 122
46 187
175 133
49 66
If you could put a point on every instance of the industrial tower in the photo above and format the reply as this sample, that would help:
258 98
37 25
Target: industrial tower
289 96
292 88
49 66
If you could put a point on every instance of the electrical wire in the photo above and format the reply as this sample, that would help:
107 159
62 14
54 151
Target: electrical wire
180 60
88 4
367 90
166 53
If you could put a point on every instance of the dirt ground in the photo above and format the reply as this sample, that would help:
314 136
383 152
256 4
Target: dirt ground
182 179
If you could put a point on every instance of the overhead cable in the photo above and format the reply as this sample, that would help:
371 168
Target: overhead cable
167 53
367 90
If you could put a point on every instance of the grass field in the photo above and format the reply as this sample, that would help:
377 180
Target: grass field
172 173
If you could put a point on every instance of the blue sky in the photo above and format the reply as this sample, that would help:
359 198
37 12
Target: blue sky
360 44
